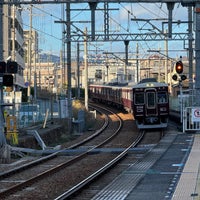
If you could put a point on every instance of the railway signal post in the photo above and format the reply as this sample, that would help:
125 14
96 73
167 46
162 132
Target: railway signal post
7 69
180 77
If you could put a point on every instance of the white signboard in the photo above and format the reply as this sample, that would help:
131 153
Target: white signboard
196 115
63 108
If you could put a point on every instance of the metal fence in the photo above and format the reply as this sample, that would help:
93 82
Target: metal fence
185 104
28 114
191 119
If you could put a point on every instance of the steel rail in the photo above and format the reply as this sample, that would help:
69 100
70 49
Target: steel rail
55 154
99 172
55 169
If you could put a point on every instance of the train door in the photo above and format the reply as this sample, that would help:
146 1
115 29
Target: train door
151 103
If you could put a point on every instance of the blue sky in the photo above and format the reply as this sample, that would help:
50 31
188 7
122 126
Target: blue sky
50 33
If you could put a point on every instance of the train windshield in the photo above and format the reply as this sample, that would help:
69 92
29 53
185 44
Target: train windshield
151 99
139 98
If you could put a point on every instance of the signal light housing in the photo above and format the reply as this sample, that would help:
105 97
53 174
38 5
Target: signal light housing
183 77
8 80
175 77
2 67
179 67
12 67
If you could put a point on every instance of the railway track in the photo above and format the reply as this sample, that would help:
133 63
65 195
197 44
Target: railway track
23 180
100 171
100 179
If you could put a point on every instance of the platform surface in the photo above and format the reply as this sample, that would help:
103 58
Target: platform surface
188 186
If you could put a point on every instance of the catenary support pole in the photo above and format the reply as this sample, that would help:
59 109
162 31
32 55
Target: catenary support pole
197 49
69 95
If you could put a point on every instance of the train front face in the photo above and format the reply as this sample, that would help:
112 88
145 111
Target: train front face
151 105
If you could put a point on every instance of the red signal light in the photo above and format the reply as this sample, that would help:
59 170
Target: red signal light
179 67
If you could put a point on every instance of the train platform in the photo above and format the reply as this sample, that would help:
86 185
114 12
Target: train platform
188 186
170 171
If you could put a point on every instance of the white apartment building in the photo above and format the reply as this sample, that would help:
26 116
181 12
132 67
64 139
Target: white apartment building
13 48
13 40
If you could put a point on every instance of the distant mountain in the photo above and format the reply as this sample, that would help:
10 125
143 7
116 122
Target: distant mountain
53 58
56 59
49 58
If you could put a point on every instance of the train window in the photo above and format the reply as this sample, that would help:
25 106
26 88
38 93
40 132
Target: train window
128 94
139 98
150 99
103 91
162 97
123 93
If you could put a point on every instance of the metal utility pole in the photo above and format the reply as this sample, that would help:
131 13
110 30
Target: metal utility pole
170 7
29 57
106 20
197 47
93 6
1 32
137 62
13 33
126 42
63 49
3 144
166 61
86 70
69 87
1 52
190 48
78 71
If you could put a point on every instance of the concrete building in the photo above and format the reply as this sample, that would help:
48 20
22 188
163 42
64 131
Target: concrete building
13 43
31 46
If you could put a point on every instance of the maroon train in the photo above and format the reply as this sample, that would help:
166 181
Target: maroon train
147 100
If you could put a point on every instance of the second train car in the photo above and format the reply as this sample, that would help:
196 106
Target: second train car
147 100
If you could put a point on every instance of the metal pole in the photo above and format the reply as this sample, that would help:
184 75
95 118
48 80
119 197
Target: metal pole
166 61
29 56
86 71
63 82
2 139
197 50
181 99
126 42
170 6
93 6
78 71
190 49
68 14
137 62
2 136
1 32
